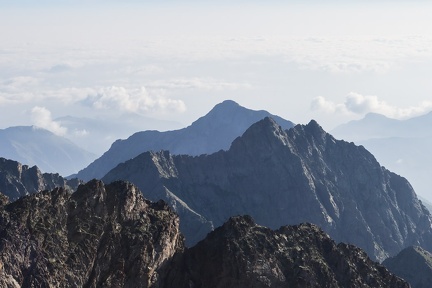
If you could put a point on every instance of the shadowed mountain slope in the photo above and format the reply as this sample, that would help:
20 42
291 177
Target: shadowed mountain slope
413 264
400 145
17 180
288 177
243 254
208 134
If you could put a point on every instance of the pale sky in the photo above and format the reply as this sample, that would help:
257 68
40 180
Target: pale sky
175 60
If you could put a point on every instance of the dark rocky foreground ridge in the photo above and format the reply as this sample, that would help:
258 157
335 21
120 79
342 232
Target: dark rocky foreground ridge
99 236
110 236
414 265
17 180
210 133
282 177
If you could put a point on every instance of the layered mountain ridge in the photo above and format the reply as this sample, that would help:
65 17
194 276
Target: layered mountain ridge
282 177
210 133
110 236
401 145
17 180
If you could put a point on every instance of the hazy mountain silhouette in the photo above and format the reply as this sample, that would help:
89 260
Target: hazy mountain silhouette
208 134
31 146
401 145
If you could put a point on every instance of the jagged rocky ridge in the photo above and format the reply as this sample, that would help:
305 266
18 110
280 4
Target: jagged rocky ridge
287 177
243 254
110 236
99 236
17 180
414 265
210 133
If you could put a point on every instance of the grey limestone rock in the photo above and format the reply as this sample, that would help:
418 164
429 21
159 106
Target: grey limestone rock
284 177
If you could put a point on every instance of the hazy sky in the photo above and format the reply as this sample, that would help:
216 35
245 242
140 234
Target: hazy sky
174 60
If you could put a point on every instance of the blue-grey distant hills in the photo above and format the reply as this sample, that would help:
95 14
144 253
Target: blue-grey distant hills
282 177
97 134
210 133
402 146
31 146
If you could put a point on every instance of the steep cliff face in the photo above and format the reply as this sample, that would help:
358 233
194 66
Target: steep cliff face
414 265
17 180
243 254
110 236
99 236
208 134
288 177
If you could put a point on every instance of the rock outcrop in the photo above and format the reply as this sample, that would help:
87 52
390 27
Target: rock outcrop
210 133
110 236
284 177
414 265
243 254
17 180
99 236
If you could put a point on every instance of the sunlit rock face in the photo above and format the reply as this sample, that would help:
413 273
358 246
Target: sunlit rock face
282 177
99 236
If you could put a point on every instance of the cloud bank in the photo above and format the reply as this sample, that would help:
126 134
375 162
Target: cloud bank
360 105
132 100
41 117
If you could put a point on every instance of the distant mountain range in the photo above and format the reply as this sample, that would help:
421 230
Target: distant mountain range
210 133
400 145
97 135
110 236
31 146
282 177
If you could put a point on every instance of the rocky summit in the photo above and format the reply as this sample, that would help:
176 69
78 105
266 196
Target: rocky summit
17 180
110 236
242 254
210 133
285 177
99 236
414 265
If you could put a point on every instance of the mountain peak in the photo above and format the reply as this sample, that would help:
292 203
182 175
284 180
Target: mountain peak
414 264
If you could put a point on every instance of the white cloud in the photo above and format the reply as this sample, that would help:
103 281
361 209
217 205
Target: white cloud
132 100
359 104
198 83
41 117
322 104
